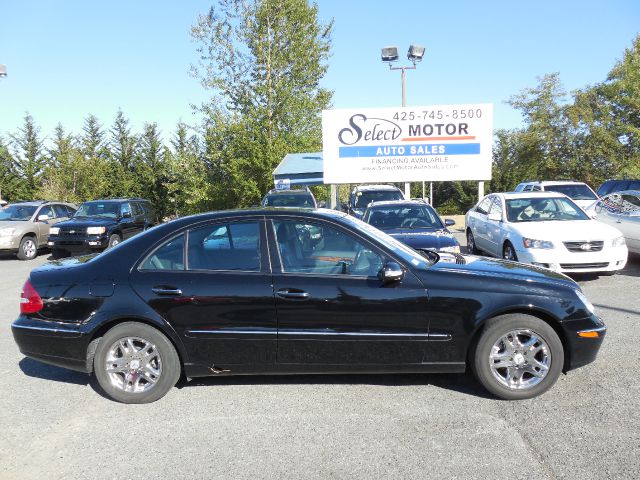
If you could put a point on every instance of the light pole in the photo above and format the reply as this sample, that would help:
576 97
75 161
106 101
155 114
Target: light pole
3 71
415 55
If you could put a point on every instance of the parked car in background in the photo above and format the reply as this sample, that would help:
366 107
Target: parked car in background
581 193
622 211
362 195
24 226
414 223
610 186
3 203
101 224
289 198
241 292
545 229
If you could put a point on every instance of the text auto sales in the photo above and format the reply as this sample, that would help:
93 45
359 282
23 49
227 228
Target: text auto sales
380 129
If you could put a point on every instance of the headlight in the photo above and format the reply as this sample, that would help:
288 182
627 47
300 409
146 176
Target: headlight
452 248
5 232
585 301
95 230
54 230
532 243
618 242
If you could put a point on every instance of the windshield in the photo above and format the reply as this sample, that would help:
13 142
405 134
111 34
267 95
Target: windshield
574 191
364 198
17 212
292 200
98 209
543 210
403 251
403 216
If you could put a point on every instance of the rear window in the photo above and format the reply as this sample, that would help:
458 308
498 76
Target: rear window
573 191
289 200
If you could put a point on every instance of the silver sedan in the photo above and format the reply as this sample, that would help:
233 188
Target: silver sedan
622 210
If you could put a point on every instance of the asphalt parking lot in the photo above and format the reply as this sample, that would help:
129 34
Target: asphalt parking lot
54 425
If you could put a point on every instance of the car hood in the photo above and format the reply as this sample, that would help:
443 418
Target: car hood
570 230
424 237
510 272
83 222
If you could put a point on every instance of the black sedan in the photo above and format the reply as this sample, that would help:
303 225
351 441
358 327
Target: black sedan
414 223
252 292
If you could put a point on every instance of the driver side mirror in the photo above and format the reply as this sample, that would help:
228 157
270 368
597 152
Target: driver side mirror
43 218
448 222
126 215
390 273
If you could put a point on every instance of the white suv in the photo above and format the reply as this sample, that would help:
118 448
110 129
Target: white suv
581 193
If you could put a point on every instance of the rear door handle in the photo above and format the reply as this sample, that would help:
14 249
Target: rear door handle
293 295
166 290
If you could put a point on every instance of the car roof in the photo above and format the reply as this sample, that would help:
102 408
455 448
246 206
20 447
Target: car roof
409 203
515 195
364 188
553 182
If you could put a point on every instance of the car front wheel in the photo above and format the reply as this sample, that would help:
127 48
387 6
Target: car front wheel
114 240
509 253
28 249
135 363
471 243
517 357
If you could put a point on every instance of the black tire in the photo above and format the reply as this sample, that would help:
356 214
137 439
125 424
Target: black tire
28 249
508 252
114 240
471 243
495 379
163 355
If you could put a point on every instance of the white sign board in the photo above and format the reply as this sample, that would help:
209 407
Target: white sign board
432 143
283 184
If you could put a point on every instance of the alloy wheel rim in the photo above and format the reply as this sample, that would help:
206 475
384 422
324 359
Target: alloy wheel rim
509 253
114 242
133 365
29 248
520 359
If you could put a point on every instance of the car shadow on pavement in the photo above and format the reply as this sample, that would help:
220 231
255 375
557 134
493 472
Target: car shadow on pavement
33 368
463 383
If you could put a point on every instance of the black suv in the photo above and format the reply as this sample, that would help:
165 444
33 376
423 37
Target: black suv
100 224
289 198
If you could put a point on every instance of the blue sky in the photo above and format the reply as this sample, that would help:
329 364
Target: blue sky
68 59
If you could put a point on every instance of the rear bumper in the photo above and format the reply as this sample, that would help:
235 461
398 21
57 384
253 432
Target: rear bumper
583 350
63 345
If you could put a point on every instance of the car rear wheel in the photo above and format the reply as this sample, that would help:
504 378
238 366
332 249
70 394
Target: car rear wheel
135 363
508 252
28 249
114 240
517 357
471 243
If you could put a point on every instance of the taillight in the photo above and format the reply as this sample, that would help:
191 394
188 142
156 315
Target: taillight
30 301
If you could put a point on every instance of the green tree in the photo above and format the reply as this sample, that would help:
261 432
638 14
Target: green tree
123 148
263 61
96 156
152 175
9 180
187 185
607 118
29 162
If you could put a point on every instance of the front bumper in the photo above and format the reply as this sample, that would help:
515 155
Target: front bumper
582 350
60 344
9 243
77 244
610 259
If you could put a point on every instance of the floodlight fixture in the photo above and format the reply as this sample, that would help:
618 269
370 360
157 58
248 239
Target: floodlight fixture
415 53
3 70
390 54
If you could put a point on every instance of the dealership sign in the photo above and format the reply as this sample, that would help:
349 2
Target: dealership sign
434 143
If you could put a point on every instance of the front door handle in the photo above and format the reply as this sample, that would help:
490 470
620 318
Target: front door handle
166 290
293 294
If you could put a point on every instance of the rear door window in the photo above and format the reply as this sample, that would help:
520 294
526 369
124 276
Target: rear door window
230 246
169 256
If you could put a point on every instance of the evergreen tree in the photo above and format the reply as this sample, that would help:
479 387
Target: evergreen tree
9 179
29 162
123 148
